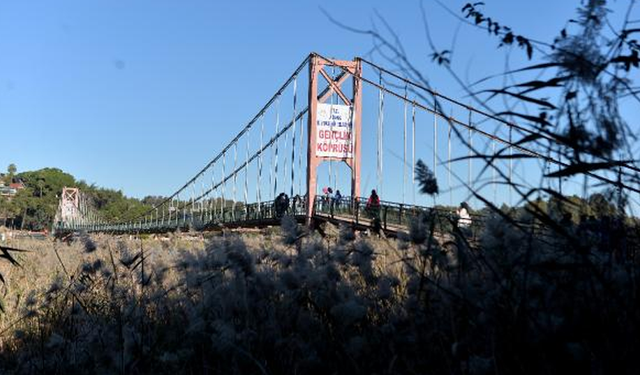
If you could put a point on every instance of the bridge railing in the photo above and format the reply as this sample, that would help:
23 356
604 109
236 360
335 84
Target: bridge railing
390 215
266 212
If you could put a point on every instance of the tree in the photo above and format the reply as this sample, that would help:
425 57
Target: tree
5 209
12 169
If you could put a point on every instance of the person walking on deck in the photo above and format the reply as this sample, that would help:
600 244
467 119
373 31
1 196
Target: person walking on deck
336 199
464 217
373 204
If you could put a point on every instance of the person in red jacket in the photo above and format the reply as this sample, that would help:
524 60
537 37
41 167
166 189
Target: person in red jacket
373 204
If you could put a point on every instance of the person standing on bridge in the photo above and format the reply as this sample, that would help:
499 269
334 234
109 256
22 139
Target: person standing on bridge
336 199
323 198
280 205
373 205
464 217
285 203
297 204
329 199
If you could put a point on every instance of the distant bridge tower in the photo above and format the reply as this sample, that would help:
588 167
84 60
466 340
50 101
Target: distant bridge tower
69 205
334 129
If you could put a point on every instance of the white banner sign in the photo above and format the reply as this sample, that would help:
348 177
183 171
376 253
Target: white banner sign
334 131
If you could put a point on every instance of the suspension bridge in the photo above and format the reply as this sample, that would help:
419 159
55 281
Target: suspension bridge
362 127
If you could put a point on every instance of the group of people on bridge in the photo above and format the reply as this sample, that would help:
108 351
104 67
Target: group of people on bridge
330 199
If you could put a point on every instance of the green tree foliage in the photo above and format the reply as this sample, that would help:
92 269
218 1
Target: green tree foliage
12 169
153 200
574 208
113 205
34 207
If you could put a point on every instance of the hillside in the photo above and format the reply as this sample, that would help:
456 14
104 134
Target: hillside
34 206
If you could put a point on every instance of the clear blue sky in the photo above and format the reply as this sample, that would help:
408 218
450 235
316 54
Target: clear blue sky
138 95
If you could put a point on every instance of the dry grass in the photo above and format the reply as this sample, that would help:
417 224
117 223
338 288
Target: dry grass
287 302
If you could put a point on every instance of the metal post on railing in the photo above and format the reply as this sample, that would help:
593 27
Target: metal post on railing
385 217
184 215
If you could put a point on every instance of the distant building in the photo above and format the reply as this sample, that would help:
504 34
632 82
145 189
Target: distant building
11 190
8 191
18 185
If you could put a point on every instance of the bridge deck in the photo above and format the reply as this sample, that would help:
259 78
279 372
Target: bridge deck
392 217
